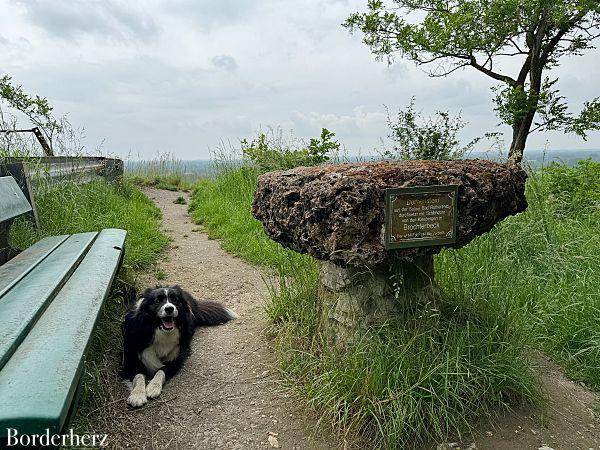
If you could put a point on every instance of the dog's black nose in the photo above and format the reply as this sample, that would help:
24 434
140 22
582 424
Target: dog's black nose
169 309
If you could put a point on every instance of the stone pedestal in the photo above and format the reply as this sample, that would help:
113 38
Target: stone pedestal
355 298
336 213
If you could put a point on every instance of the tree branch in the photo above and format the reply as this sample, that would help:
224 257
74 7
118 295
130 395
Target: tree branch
553 42
447 72
490 73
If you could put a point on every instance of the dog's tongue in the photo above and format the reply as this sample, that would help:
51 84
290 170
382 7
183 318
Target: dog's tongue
168 324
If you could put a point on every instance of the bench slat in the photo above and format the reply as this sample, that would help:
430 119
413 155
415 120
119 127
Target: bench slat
12 201
14 270
21 307
38 383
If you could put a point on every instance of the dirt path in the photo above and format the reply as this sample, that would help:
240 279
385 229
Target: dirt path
568 422
227 395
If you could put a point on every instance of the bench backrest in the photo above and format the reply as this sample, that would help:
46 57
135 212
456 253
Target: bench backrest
13 202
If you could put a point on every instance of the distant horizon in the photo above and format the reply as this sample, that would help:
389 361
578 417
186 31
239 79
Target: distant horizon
369 156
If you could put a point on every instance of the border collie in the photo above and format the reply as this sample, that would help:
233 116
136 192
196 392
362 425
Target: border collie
157 331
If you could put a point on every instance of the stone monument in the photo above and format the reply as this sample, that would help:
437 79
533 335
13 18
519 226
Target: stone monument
376 226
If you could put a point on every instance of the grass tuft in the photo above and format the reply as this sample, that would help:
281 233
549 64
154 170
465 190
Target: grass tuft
543 266
223 205
166 172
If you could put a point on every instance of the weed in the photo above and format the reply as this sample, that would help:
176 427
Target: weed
160 275
271 151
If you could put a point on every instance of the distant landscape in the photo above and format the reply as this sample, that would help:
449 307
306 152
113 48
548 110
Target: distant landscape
537 158
191 170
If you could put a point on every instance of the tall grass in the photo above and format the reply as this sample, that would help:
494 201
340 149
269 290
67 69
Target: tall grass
402 385
74 208
223 205
543 264
77 208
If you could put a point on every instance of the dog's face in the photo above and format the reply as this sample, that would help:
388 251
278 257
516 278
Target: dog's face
165 304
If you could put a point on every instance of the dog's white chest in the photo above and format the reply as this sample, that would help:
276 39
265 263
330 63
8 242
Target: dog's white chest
164 347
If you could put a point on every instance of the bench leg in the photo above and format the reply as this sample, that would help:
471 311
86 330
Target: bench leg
137 397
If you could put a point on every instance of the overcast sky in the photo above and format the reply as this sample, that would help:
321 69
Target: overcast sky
179 76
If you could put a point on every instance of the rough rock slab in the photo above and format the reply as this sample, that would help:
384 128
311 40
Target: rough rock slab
336 212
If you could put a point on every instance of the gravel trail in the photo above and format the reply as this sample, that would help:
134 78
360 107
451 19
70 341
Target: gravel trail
227 396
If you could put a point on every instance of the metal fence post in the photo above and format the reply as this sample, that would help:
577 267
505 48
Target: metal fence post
113 169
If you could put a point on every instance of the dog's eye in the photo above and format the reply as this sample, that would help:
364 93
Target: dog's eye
157 299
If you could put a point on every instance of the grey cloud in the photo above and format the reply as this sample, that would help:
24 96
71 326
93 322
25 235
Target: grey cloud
207 14
225 62
111 19
13 50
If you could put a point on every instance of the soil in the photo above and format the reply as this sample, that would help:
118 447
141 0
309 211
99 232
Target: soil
229 394
568 420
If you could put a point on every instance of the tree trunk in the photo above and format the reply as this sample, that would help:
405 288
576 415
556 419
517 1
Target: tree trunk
519 138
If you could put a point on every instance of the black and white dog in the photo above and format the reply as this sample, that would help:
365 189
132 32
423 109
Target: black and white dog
157 332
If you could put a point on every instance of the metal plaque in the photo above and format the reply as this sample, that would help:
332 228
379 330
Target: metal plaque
419 216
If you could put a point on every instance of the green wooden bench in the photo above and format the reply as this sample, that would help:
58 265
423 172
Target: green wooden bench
50 298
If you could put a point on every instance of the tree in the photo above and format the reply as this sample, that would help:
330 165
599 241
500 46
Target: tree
37 109
418 137
447 35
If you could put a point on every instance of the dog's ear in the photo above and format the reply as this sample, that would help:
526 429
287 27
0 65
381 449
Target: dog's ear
181 294
138 303
147 293
185 298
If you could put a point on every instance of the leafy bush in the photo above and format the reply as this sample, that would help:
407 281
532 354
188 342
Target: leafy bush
270 151
416 137
574 190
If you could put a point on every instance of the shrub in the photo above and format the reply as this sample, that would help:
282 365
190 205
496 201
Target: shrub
270 151
573 190
417 137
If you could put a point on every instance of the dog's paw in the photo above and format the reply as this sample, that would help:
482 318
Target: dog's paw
154 388
137 399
